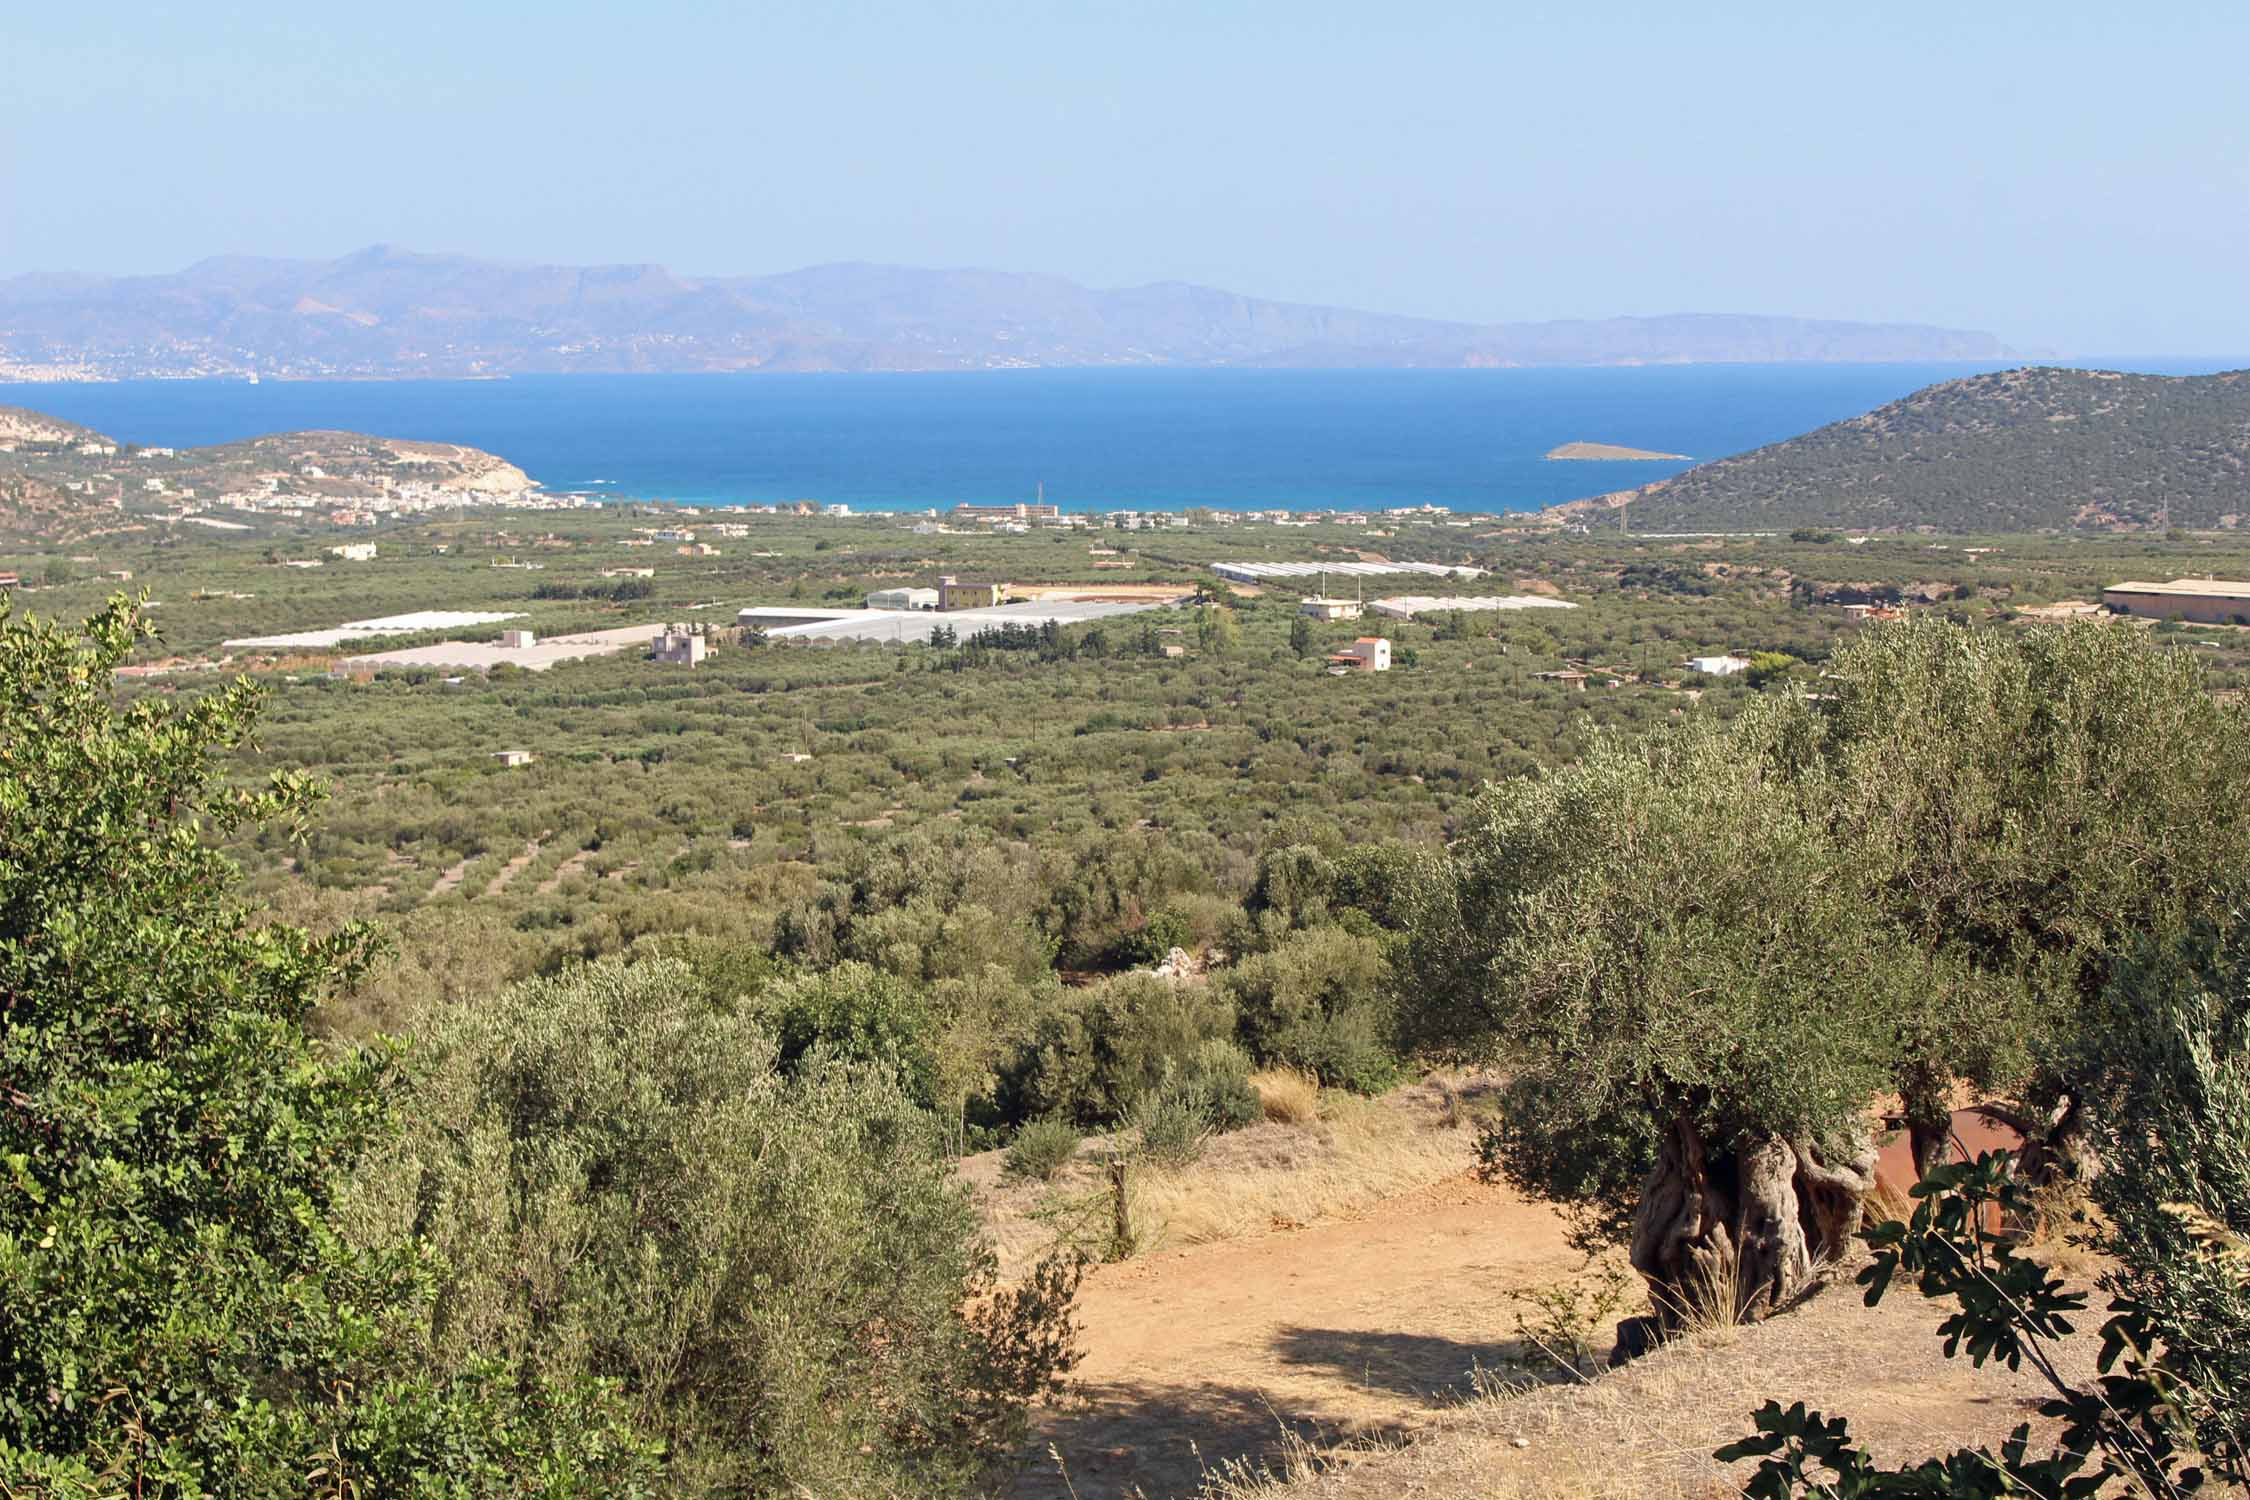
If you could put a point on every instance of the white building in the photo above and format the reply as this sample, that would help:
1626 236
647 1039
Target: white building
1329 609
506 757
680 647
1718 666
354 552
517 640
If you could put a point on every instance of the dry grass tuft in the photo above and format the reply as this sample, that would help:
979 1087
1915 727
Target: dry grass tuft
2063 1219
1887 1203
1288 1097
1709 1301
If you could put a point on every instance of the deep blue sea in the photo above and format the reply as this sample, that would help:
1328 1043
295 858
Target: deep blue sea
1096 439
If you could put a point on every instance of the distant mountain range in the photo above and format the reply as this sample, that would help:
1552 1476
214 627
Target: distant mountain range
2015 450
389 313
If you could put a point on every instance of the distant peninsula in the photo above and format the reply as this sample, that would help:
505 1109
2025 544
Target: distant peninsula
60 480
1607 451
386 314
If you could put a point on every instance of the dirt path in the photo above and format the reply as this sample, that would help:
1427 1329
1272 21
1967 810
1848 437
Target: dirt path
1348 1328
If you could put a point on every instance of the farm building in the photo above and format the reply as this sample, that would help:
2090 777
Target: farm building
1718 666
2208 601
955 594
1370 653
680 647
512 757
904 599
1317 608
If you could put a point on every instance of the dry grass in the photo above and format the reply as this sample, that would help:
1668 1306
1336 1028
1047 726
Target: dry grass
2062 1218
1283 1177
1350 1154
1289 1098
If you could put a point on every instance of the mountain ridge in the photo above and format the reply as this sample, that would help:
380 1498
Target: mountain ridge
388 312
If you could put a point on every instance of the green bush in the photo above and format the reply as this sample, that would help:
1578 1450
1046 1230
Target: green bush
1319 1001
1217 1079
1102 1047
627 1182
1170 1125
1040 1150
858 1012
2170 1095
180 1312
1150 945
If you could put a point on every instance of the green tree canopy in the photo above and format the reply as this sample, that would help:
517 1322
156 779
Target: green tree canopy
773 1261
179 1313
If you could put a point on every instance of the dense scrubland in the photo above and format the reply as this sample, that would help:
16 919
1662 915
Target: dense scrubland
589 1127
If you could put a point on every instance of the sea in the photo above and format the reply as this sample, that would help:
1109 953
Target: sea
1097 439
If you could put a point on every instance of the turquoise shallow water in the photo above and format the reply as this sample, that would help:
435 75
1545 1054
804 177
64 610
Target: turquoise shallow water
1097 439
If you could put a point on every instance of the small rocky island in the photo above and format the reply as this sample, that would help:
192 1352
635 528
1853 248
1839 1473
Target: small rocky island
1605 451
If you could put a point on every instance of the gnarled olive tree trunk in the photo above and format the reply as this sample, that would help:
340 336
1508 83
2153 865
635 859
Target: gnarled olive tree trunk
1749 1222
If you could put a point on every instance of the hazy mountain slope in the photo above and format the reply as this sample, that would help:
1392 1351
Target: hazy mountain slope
2012 450
389 312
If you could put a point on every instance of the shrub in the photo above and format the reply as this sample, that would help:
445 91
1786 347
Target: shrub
2171 1100
1100 1048
178 1307
856 1011
1171 1124
1040 1150
1152 942
626 1181
1319 1002
1217 1078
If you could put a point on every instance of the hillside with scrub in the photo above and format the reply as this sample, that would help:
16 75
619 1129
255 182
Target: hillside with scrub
2015 450
1124 1058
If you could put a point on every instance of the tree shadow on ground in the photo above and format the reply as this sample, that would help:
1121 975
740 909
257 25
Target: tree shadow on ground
1121 1439
1435 1370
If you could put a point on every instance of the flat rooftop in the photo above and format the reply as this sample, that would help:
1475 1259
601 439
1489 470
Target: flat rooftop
905 625
483 656
2201 588
409 624
1251 571
1407 606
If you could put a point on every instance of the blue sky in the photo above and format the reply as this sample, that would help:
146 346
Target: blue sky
2074 176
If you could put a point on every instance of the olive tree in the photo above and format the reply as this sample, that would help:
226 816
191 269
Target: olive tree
1712 957
1688 981
629 1181
2028 805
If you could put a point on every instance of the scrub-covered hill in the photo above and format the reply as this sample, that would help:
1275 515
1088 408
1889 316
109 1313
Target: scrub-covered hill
2015 450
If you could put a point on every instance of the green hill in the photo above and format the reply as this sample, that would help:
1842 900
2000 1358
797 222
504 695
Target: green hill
2015 450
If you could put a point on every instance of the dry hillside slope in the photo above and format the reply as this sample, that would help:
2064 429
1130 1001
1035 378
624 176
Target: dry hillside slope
2014 450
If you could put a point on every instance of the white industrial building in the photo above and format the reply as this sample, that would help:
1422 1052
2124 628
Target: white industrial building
1267 572
1407 606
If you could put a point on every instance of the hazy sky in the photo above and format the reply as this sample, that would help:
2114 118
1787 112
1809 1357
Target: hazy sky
2073 175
